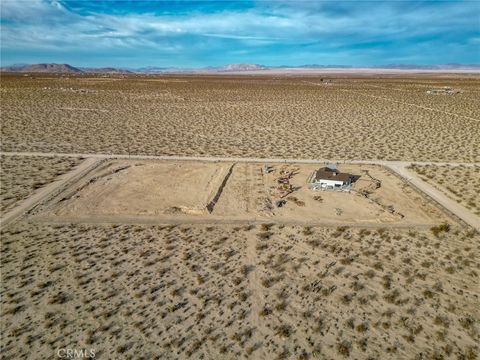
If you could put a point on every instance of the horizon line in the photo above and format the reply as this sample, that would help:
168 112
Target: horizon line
206 67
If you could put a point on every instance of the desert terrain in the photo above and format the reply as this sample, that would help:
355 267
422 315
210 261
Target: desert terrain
223 292
459 182
113 241
21 175
311 117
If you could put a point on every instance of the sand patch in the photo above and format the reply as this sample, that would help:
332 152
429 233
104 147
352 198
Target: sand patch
144 188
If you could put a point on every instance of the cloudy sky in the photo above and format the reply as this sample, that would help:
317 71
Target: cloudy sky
212 33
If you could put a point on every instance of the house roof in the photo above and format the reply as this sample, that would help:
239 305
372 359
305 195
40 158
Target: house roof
326 173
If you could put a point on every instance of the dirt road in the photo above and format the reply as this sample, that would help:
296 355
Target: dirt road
399 167
238 159
44 192
449 204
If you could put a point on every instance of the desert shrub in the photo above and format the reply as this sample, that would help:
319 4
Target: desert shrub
284 331
265 227
314 243
362 327
59 298
264 235
265 311
344 348
261 246
307 230
442 228
441 321
467 322
281 306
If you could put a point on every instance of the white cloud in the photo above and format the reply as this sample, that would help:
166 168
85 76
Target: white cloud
42 24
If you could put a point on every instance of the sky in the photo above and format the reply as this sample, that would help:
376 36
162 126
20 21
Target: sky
189 34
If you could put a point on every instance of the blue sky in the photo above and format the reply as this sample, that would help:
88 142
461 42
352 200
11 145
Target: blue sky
213 33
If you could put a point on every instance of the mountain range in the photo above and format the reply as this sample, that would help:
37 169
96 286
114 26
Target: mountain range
230 68
42 68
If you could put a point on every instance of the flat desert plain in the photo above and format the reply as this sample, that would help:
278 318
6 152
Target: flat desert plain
134 257
239 292
363 117
22 175
462 183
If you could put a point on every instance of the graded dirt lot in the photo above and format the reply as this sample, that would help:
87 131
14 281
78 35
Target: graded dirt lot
252 192
350 117
461 183
223 292
20 176
133 188
175 191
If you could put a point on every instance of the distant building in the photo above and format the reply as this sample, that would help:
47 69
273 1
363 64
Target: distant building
442 91
329 178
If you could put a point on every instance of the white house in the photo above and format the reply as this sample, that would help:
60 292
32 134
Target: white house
330 178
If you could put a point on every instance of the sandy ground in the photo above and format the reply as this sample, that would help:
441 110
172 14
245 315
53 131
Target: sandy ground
217 271
460 183
21 176
353 117
133 190
256 292
144 188
47 191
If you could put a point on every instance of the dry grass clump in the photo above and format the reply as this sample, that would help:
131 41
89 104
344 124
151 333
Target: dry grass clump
442 228
208 292
20 176
291 117
461 183
344 348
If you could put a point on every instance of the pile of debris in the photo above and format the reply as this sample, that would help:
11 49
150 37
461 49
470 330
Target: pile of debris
285 188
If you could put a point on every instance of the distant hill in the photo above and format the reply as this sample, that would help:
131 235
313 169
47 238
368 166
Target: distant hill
43 68
207 69
237 68
317 66
242 67
431 67
154 70
106 70
16 66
